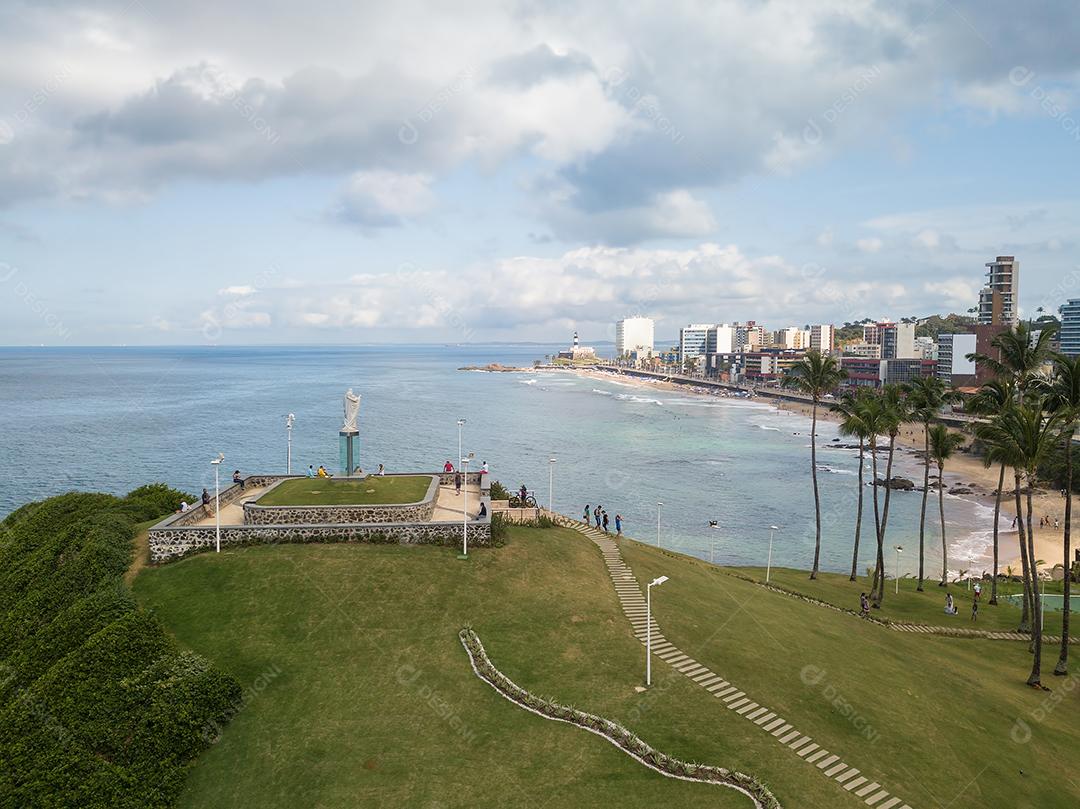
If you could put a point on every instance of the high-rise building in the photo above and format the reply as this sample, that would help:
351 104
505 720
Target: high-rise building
823 338
999 300
897 340
694 340
953 366
1070 327
720 339
925 348
633 334
792 338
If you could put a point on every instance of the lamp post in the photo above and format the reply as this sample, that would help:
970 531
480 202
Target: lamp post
899 550
551 485
465 505
460 424
216 463
658 507
648 626
289 420
768 564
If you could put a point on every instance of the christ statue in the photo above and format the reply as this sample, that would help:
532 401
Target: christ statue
352 411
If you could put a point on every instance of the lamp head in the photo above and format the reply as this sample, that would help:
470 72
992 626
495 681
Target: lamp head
774 527
658 581
461 422
218 459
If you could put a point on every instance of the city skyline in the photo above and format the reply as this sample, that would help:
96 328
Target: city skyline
407 174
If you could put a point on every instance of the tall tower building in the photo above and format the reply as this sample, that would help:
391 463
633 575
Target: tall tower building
999 300
633 334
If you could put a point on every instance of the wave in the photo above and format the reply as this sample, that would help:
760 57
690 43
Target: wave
767 427
526 381
602 392
630 397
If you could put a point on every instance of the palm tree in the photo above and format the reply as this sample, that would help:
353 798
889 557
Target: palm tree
1026 435
893 413
815 374
992 397
943 443
1063 396
852 409
928 395
1018 358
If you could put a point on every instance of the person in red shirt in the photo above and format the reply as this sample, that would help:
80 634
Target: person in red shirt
448 467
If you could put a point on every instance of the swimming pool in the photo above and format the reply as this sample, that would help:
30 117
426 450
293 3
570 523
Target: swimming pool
1054 601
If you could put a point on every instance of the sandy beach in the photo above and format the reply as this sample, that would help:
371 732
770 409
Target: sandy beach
965 470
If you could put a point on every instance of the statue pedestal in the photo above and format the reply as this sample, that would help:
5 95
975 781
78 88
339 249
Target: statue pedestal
349 452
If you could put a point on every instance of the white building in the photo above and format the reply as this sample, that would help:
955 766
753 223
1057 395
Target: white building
823 338
953 366
721 339
925 348
694 340
792 337
634 334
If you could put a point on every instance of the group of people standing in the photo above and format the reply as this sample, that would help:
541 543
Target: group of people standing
600 516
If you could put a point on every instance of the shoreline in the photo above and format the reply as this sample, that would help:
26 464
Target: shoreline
962 471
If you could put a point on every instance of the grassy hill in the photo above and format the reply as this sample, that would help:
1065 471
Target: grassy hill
358 692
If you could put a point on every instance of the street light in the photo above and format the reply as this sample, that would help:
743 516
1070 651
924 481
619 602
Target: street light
768 565
658 507
216 463
551 485
648 626
465 506
460 424
899 550
289 420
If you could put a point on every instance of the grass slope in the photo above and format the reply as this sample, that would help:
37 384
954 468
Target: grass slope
373 490
360 694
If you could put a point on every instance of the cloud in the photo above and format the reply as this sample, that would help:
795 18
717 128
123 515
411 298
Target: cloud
375 199
955 292
871 244
242 290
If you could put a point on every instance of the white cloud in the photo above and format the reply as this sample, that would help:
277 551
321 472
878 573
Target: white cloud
871 244
383 198
242 290
956 291
928 238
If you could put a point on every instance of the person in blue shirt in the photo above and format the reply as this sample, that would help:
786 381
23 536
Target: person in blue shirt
311 470
618 524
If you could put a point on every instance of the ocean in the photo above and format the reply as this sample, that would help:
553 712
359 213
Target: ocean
112 419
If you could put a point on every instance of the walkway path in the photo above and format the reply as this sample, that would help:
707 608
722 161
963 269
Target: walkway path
801 744
233 513
448 503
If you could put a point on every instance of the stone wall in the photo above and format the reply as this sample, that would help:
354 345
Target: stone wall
255 514
228 494
167 545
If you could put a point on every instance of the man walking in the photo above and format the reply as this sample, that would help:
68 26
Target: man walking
605 520
618 524
597 515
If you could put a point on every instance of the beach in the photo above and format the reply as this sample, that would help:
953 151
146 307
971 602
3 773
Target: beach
963 471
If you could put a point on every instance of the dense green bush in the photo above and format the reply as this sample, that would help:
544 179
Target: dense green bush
97 706
498 491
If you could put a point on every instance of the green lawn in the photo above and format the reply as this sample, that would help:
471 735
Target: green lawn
361 695
370 491
911 606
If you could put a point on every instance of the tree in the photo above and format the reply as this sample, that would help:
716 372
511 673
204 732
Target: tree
893 412
942 444
927 396
1062 392
853 411
815 374
991 399
1026 435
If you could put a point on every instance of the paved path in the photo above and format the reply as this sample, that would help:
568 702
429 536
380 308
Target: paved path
233 513
830 765
448 504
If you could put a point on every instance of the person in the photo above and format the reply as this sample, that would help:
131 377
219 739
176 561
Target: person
483 509
382 471
523 494
237 479
974 610
950 607
457 483
310 471
978 590
1014 522
1056 523
448 467
184 506
358 472
605 522
618 524
864 606
598 515
322 473
585 517
484 468
205 497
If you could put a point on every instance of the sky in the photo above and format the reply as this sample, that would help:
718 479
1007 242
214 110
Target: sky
361 172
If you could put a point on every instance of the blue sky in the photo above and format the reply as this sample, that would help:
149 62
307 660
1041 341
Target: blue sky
262 173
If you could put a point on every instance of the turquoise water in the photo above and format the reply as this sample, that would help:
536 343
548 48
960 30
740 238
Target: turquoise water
1053 601
112 419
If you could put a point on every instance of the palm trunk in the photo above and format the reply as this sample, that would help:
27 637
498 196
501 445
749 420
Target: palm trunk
1025 618
817 499
1035 678
925 493
997 514
941 512
1063 658
858 515
884 522
877 515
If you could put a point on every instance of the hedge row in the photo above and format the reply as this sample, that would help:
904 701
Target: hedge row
98 708
615 733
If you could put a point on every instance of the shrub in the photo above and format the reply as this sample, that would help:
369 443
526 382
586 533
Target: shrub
97 706
498 491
